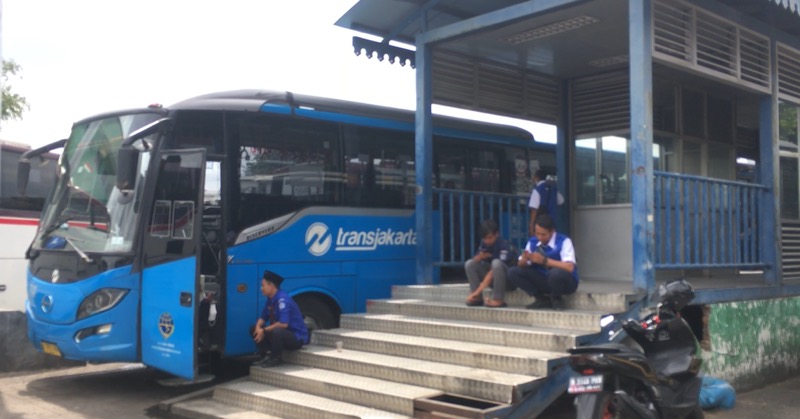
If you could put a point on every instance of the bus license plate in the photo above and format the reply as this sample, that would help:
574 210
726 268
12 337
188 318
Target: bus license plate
585 384
51 348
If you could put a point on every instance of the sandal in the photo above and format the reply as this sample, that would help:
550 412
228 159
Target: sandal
495 304
475 302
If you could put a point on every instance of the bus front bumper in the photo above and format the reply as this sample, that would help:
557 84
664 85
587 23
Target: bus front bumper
109 336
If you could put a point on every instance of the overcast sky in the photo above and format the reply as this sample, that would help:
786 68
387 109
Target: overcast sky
82 57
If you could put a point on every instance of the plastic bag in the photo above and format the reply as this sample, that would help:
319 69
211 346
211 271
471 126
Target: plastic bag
717 393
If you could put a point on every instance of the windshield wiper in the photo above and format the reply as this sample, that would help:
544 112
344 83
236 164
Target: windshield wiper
55 226
83 255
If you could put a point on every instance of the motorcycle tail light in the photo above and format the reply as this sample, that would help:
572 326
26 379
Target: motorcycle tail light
587 371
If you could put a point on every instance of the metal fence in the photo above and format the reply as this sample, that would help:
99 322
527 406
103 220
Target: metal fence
458 214
699 222
706 223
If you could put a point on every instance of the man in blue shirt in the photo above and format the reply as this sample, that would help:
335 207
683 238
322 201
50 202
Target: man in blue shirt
489 266
280 325
545 198
547 269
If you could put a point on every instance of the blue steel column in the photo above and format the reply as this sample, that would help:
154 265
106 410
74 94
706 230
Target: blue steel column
562 143
641 91
768 234
423 148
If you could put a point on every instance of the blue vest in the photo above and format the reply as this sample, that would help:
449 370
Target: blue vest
548 199
552 253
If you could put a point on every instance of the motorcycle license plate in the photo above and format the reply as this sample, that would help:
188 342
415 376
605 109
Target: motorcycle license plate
585 384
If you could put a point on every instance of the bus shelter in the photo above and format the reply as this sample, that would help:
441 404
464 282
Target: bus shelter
678 145
677 124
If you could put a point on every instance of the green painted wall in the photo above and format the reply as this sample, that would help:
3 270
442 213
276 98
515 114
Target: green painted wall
753 343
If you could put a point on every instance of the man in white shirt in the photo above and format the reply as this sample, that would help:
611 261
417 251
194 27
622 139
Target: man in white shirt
547 269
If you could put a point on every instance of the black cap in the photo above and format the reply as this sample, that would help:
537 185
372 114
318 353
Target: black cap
274 278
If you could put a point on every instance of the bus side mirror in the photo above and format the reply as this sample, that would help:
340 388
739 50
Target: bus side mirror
127 168
23 173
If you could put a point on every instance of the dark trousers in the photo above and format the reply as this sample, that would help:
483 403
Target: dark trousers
556 283
275 341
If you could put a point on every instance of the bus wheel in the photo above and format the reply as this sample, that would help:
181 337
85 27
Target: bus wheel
316 313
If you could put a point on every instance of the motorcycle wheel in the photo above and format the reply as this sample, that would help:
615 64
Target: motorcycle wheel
595 406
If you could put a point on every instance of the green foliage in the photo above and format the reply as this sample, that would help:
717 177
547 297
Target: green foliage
788 123
13 103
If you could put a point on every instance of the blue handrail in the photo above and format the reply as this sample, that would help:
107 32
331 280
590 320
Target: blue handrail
706 223
459 213
699 222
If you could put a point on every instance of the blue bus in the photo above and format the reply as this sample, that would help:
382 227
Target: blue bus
162 220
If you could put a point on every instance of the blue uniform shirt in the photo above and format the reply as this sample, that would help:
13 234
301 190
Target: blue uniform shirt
501 249
282 309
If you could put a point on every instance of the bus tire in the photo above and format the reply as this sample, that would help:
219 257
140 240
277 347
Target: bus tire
316 313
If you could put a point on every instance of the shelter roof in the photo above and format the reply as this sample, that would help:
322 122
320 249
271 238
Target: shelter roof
400 19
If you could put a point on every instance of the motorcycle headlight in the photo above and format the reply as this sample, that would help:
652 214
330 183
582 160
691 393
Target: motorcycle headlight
100 300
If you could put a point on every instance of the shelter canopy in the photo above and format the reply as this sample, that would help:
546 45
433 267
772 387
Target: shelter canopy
515 64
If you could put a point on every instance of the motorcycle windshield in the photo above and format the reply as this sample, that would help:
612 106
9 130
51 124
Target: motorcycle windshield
86 210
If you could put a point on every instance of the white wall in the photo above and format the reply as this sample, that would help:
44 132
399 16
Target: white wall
603 242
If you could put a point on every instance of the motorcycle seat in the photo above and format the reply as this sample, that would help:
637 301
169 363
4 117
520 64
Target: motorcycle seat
602 348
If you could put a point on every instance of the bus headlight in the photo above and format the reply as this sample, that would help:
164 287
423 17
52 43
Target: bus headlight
100 300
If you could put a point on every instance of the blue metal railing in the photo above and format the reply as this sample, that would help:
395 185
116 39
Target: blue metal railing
458 214
706 223
699 222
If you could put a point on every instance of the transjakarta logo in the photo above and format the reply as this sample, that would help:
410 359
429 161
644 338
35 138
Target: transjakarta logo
319 239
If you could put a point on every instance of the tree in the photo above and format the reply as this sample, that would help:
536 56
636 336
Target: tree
13 103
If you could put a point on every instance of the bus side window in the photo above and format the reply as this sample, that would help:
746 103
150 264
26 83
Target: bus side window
285 165
451 164
379 167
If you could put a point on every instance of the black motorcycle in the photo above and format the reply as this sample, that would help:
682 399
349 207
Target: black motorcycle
657 379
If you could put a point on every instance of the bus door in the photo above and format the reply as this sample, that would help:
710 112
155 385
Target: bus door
170 277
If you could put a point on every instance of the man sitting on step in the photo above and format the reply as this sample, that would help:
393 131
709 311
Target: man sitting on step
281 325
547 269
489 266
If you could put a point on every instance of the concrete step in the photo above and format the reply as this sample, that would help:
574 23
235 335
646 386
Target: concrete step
211 409
540 338
589 296
477 355
290 404
496 386
370 392
588 321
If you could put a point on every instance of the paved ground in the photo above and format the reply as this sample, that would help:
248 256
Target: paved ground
118 391
122 391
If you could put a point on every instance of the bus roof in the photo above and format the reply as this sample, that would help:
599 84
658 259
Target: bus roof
253 100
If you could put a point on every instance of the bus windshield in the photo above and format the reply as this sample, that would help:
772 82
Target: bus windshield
87 211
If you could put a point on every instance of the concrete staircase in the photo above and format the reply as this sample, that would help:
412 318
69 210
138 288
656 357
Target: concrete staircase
422 353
